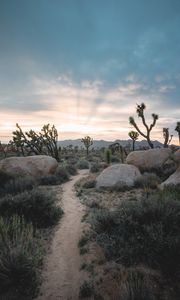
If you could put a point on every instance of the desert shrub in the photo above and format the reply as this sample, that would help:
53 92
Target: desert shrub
21 254
170 193
92 203
83 164
36 206
142 284
72 160
89 184
95 167
71 169
62 174
148 180
115 159
144 231
83 240
18 185
103 221
5 178
86 289
48 180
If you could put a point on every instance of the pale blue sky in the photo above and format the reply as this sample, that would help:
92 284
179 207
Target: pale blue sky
83 65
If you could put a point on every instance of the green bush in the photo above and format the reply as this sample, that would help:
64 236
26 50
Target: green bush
83 164
143 231
18 185
62 175
148 180
71 169
115 159
21 255
95 167
89 184
86 289
5 178
142 284
48 180
36 206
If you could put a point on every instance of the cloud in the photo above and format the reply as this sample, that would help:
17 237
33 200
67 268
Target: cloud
88 107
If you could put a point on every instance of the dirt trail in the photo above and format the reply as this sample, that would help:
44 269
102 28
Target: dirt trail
61 274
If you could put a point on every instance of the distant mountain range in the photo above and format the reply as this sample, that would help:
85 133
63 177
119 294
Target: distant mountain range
102 143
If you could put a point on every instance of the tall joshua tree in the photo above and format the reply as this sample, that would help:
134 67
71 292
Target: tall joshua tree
167 138
44 142
140 112
178 130
134 136
88 141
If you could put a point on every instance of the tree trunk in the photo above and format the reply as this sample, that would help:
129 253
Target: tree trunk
150 143
133 145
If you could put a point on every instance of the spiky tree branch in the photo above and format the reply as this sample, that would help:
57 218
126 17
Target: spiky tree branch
44 142
177 128
140 112
87 141
167 138
134 136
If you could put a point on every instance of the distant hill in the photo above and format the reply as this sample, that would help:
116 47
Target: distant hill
102 143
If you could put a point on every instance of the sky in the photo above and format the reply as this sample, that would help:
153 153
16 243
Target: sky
83 65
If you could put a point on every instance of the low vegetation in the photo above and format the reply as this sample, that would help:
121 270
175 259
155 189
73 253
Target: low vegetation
36 206
139 232
21 256
82 164
27 213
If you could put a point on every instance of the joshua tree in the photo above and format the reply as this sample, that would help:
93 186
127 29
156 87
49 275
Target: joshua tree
88 141
178 130
134 136
140 111
167 139
44 142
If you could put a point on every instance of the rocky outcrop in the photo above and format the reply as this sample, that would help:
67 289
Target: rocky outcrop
118 176
176 156
174 179
148 160
35 166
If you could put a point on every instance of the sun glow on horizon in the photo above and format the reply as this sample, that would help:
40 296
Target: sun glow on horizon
88 108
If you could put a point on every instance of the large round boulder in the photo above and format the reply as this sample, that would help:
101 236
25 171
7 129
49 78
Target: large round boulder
177 156
35 166
118 176
152 159
174 179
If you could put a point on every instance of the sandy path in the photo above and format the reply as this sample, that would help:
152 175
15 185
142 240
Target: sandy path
61 274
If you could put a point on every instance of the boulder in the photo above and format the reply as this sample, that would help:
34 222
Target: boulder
35 166
148 160
176 156
174 179
118 176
